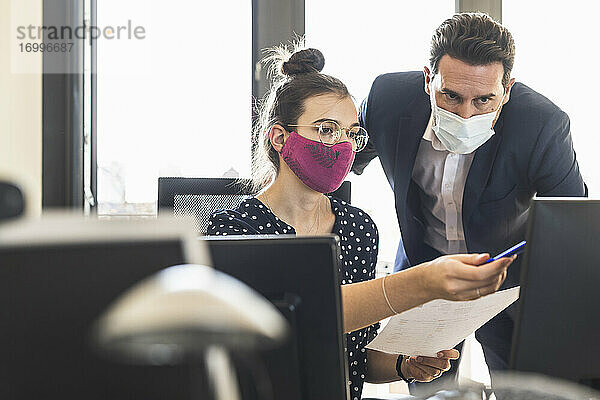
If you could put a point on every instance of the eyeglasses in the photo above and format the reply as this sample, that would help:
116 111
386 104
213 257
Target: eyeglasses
330 133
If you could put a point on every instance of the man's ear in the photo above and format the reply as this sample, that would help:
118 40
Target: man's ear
428 78
508 89
277 136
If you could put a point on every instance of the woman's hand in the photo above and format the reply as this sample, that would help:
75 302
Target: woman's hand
463 277
426 369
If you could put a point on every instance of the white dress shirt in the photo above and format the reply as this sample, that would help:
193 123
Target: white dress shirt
441 175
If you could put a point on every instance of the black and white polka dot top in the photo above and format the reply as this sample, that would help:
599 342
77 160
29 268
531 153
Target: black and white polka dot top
359 241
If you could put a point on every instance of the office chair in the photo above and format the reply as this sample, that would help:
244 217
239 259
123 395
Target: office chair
200 197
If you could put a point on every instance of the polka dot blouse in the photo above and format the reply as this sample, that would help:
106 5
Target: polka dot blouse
359 244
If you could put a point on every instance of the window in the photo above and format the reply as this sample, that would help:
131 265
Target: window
556 54
361 40
175 103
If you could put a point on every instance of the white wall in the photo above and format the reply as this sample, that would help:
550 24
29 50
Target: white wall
21 110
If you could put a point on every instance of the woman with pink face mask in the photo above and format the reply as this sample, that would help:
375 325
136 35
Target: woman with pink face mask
308 134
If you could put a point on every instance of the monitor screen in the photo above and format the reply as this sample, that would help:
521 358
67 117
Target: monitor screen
300 275
56 279
557 327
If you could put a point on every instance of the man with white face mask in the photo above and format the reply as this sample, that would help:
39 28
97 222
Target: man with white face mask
460 135
465 148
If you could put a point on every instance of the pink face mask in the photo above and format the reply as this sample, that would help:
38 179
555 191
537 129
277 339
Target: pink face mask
321 168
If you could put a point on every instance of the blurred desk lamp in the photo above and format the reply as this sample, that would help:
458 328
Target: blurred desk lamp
186 313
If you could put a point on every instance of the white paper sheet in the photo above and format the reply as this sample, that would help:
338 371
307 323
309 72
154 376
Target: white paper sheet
439 324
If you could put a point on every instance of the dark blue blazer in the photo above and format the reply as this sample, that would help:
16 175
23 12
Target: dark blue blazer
531 153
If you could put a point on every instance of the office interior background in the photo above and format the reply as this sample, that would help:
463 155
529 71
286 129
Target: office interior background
180 102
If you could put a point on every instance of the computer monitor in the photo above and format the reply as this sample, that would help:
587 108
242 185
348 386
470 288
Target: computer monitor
301 276
57 276
557 329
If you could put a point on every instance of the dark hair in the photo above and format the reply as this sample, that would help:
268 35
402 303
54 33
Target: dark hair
295 78
474 38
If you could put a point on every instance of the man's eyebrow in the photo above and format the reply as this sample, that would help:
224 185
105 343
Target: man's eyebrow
449 91
326 119
446 90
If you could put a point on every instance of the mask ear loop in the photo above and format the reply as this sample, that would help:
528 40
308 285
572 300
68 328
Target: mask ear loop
434 106
501 101
498 109
285 139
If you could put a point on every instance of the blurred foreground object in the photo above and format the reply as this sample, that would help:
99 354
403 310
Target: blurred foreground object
187 313
58 274
521 386
12 203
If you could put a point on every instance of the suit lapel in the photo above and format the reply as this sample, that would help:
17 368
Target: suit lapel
479 172
411 127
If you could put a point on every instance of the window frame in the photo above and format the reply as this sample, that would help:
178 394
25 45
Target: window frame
62 112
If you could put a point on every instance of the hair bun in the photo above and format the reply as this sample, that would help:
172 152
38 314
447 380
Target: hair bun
304 61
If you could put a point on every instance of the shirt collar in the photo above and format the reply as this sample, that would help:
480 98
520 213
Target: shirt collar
430 136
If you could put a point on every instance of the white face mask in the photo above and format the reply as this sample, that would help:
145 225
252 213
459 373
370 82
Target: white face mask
460 135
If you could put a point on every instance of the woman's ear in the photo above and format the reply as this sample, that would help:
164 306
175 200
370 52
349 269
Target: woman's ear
277 135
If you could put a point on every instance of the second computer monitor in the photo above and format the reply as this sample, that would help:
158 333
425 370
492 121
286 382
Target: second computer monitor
558 324
301 277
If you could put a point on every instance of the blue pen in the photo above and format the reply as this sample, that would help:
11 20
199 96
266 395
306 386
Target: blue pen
516 249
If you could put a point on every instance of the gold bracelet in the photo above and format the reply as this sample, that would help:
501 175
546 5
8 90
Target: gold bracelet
385 295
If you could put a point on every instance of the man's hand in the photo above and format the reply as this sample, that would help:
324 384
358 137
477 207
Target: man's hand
426 369
465 276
